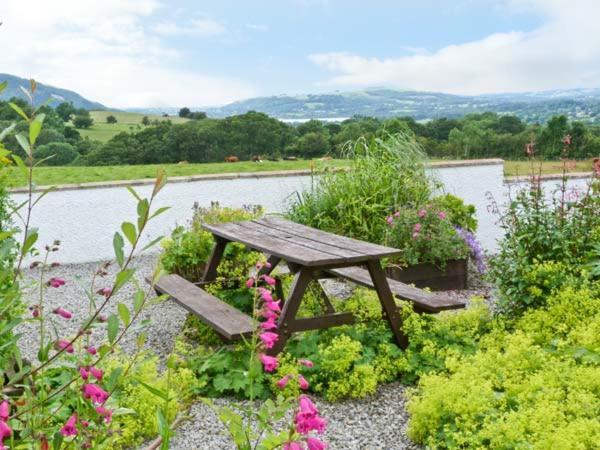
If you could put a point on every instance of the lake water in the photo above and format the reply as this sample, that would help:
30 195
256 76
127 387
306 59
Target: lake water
85 220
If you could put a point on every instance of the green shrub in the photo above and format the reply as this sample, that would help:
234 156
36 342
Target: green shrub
386 174
535 385
543 243
58 154
457 212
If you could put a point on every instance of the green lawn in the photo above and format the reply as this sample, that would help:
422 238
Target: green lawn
126 121
523 168
67 175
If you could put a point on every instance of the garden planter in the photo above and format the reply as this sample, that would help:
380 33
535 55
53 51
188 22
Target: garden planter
453 276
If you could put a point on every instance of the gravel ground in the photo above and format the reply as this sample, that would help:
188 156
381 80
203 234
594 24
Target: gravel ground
378 422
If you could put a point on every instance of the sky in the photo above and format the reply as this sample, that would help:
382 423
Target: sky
158 53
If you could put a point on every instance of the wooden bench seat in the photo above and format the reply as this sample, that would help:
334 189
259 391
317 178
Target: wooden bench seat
423 301
226 320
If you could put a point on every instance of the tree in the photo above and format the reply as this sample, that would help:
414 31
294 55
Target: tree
111 119
509 125
59 154
65 111
83 121
145 121
313 144
197 115
184 112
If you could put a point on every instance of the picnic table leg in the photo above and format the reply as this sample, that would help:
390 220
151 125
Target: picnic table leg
272 261
290 308
387 302
210 273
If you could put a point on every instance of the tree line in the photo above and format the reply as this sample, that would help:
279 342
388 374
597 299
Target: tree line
255 134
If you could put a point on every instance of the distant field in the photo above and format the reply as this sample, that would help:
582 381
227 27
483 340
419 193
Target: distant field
126 121
522 168
67 175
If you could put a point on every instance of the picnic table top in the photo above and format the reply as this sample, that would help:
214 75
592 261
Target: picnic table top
298 243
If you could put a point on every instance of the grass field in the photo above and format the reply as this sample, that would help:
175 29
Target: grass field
68 175
126 121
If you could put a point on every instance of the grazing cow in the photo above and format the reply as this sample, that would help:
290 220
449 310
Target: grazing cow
232 159
182 162
597 167
256 158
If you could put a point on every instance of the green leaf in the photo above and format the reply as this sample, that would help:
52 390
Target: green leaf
138 301
19 111
129 232
30 241
20 164
122 278
124 313
7 130
155 391
113 379
160 211
24 143
112 328
140 340
118 244
35 128
153 243
142 210
3 86
132 192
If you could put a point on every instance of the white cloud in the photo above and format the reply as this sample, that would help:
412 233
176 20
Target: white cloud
197 27
103 51
562 53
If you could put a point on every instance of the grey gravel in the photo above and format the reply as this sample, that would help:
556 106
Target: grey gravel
378 422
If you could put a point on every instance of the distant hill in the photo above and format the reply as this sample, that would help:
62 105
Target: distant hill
44 92
579 104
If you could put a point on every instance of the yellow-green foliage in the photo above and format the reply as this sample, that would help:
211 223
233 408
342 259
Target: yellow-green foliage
288 366
141 424
533 386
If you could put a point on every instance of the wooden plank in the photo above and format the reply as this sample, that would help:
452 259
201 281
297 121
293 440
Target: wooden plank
321 322
273 245
366 248
427 301
225 319
301 240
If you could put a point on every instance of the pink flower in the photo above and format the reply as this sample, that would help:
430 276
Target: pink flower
397 214
415 235
104 291
269 362
69 428
95 393
283 382
269 324
268 338
306 363
250 282
63 344
96 373
5 430
269 315
417 227
63 313
292 446
56 282
106 413
4 411
315 444
422 213
91 350
273 306
269 280
303 383
35 311
307 417
266 296
84 372
85 423
102 318
389 220
442 215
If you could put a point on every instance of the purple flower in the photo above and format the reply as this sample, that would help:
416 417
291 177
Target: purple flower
474 247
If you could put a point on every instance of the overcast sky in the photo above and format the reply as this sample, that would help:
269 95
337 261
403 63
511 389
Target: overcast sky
142 53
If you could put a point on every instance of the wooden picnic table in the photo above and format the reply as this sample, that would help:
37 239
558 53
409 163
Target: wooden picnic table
311 255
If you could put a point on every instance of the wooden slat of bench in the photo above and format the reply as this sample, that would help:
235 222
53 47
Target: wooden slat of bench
365 248
225 319
427 301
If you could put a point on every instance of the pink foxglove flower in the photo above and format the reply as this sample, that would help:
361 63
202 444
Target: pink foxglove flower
306 363
273 306
303 383
415 235
69 428
104 291
96 373
269 339
397 214
56 282
270 363
422 213
63 313
283 382
91 350
269 280
266 296
417 227
84 372
292 446
389 220
307 417
442 215
65 345
250 282
4 411
5 431
95 393
268 324
104 412
315 444
269 315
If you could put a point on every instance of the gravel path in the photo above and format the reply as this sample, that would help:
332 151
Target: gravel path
378 422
